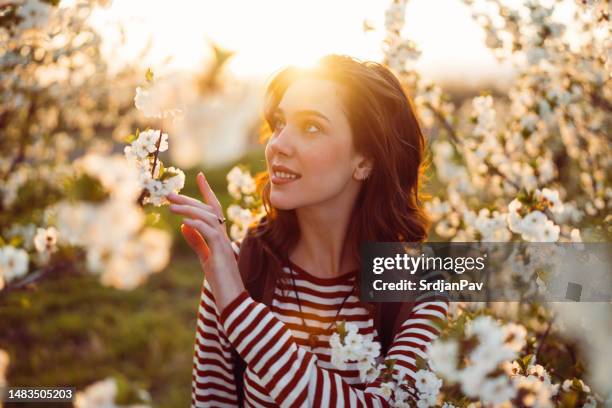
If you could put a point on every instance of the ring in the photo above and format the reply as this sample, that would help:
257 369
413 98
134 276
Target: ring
221 220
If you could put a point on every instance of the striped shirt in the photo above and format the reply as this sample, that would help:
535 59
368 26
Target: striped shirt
282 370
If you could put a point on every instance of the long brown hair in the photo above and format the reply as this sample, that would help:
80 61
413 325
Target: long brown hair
385 128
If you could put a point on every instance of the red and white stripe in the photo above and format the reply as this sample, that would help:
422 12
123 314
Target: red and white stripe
281 368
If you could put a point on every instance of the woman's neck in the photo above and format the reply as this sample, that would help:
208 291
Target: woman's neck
323 248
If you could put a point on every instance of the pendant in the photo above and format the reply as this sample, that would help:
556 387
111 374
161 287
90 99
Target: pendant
312 341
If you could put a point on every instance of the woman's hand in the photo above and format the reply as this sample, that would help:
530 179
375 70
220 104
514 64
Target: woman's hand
209 240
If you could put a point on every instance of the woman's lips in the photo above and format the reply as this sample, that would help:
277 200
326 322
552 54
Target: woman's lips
282 180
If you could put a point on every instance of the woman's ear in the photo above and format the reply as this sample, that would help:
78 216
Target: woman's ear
363 170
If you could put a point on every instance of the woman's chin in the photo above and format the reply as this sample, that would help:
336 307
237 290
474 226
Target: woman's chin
280 202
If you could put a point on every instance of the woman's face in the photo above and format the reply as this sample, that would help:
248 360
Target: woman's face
312 139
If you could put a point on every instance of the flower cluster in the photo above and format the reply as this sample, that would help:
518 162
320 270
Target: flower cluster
110 229
145 147
348 345
426 391
508 148
154 178
247 208
485 364
530 220
113 232
31 16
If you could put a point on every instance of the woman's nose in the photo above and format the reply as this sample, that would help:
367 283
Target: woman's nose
281 144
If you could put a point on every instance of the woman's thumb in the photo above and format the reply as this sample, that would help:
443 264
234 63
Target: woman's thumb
195 241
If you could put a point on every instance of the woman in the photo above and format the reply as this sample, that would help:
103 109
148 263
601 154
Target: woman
344 160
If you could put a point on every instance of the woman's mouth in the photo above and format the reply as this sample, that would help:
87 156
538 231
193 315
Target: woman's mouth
283 175
280 177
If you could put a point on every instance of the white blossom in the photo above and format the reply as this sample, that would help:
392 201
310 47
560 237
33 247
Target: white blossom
45 239
426 382
516 336
443 358
497 391
35 14
240 182
146 102
13 263
552 197
537 394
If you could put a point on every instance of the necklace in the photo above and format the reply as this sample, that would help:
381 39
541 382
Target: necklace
312 337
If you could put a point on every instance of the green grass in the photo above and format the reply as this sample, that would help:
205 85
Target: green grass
73 332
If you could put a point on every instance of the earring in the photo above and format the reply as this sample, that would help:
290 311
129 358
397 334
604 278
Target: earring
362 177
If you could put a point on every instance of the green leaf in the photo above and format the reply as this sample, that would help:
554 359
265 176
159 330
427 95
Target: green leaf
522 364
390 363
152 219
149 75
16 241
221 55
421 363
527 359
341 329
569 399
129 138
167 175
86 188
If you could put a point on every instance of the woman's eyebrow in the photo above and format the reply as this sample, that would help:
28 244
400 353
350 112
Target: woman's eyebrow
310 112
304 112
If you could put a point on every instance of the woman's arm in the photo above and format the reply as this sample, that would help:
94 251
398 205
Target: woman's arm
289 372
213 383
417 331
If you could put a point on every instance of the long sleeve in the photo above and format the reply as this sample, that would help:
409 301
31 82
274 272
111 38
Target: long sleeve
415 334
289 373
213 383
417 331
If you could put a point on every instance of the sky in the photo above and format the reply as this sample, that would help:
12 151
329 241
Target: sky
269 34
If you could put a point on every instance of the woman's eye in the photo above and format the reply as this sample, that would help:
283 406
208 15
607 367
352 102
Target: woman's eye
312 127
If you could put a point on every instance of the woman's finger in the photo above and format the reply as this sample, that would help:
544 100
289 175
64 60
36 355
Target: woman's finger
210 234
196 242
183 199
209 196
196 212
